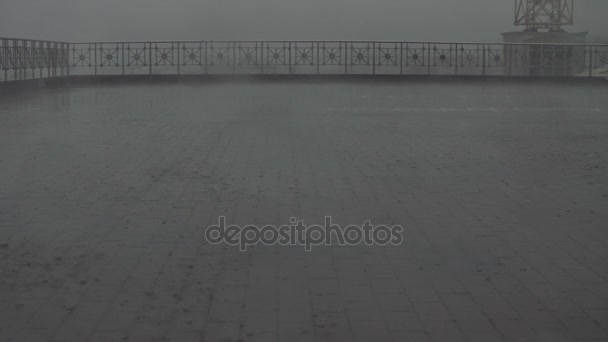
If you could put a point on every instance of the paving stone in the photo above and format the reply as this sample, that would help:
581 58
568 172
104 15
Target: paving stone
106 192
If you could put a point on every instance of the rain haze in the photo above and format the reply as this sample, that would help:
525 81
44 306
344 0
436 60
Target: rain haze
411 20
311 171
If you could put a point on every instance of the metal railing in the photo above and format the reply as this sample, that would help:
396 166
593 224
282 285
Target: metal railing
23 59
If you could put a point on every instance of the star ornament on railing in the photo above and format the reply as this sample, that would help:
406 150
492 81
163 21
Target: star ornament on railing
219 55
81 57
109 57
360 56
469 57
415 56
388 56
164 56
443 57
136 56
276 56
222 56
248 56
332 56
304 56
192 56
495 58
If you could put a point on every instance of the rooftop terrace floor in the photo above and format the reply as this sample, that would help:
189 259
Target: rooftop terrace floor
502 187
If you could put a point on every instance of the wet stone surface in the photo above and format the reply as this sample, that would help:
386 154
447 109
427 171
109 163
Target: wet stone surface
106 191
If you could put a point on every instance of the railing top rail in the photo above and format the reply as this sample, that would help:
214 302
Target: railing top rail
301 41
334 41
34 40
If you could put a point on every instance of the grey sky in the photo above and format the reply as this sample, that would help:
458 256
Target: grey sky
446 20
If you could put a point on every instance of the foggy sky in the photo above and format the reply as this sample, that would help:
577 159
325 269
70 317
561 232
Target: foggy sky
411 20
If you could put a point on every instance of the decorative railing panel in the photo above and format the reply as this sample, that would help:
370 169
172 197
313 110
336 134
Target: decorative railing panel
22 59
27 59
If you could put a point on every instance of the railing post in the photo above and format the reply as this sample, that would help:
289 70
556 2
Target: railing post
57 61
510 47
178 58
60 58
52 59
122 57
4 57
150 58
49 47
57 64
34 57
15 60
373 57
261 55
23 59
318 60
401 58
554 66
10 60
31 61
428 58
542 60
67 56
56 55
48 58
590 60
565 65
63 60
483 46
206 57
27 58
95 57
53 47
234 57
27 55
456 59
39 47
289 56
10 56
346 58
30 53
47 61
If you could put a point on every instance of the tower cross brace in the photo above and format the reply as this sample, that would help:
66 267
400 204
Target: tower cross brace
544 14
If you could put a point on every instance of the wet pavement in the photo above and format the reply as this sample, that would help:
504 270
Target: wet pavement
106 192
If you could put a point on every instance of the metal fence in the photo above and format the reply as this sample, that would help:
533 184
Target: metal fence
25 59
22 59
